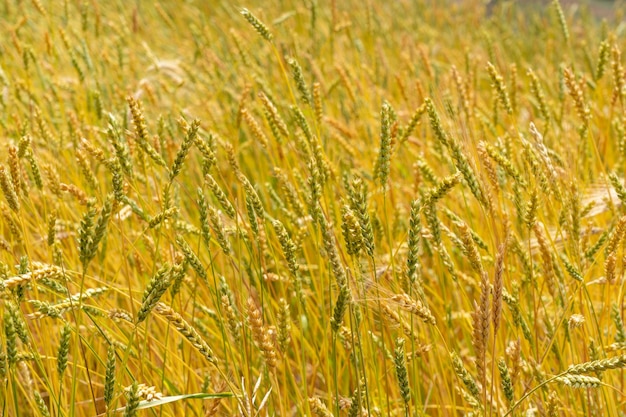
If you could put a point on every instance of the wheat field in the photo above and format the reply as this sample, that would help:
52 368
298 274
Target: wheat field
326 208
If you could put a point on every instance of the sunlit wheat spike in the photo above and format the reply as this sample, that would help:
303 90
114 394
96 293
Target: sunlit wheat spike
470 249
86 234
284 324
465 377
401 371
333 254
153 292
219 230
460 159
204 217
530 212
504 163
192 259
341 305
413 306
358 202
412 124
538 93
561 17
257 25
231 317
579 381
382 168
10 340
618 75
41 404
51 272
273 115
18 323
186 330
253 196
415 229
616 235
86 170
296 71
162 216
8 189
609 267
577 95
317 102
133 396
481 325
598 365
351 230
141 131
288 246
109 382
190 137
15 170
63 352
260 334
255 128
603 59
435 122
500 87
505 378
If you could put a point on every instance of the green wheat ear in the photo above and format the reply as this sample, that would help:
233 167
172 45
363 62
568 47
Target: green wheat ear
341 305
132 395
157 286
561 17
109 383
507 384
41 404
257 25
296 70
382 167
8 190
401 372
64 347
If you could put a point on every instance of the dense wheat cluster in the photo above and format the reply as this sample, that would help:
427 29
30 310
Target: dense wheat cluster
345 208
